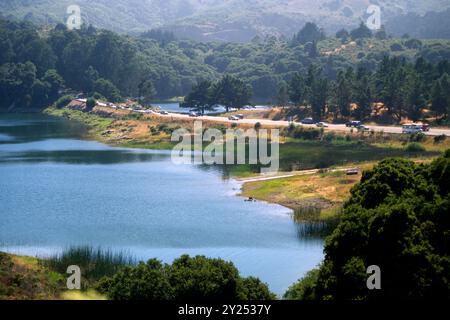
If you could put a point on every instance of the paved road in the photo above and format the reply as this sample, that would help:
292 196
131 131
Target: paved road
332 127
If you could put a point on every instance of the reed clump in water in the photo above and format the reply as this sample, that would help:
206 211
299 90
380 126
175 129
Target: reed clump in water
312 223
94 263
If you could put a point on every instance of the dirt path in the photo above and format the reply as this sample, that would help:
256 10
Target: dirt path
293 174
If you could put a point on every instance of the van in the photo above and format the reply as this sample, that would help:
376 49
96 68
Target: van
412 128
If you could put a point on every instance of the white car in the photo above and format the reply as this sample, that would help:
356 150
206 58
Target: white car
233 118
322 125
164 112
363 128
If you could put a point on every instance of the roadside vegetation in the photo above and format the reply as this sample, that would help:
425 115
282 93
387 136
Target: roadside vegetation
396 218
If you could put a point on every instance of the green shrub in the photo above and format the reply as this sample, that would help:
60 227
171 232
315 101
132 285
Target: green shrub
415 147
164 128
440 138
154 131
197 278
417 137
63 101
146 281
304 289
90 104
298 132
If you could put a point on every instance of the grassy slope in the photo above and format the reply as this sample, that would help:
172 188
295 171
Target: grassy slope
23 278
26 278
327 190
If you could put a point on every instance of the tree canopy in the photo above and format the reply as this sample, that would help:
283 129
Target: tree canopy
398 219
188 278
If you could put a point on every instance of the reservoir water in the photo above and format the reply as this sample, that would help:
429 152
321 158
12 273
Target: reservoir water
57 190
175 107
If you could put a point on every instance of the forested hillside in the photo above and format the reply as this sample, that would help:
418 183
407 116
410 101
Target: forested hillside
35 64
231 20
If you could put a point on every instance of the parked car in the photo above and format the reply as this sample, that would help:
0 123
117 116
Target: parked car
352 172
194 114
425 127
322 125
412 128
233 118
353 124
164 112
363 128
308 121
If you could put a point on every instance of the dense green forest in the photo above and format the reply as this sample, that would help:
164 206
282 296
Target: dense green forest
396 218
326 73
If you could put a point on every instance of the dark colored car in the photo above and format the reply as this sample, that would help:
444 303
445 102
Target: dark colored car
354 124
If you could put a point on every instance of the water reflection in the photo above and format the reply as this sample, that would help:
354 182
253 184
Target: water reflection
81 157
38 127
311 225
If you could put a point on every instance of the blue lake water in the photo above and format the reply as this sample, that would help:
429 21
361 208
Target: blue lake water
175 107
57 190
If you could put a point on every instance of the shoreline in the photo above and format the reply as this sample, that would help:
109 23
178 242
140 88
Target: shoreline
125 129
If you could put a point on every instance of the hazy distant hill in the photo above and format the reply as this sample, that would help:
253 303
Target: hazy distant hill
433 25
231 20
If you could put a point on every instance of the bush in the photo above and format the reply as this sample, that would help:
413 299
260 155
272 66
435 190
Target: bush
97 96
90 104
415 147
154 131
197 278
439 139
328 137
302 133
417 137
147 281
304 289
63 101
163 127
